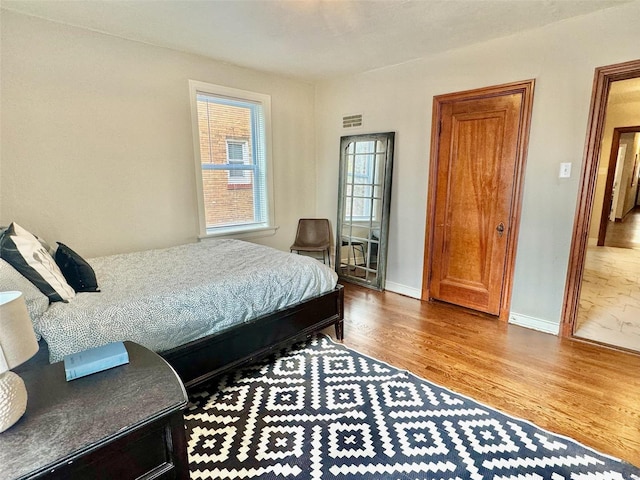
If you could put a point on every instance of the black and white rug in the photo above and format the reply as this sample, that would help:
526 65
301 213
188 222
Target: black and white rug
322 411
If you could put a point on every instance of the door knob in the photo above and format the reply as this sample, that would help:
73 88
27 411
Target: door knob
500 229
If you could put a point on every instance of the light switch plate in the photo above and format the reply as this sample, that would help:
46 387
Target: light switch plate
565 170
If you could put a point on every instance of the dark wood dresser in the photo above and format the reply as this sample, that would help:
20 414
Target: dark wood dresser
123 423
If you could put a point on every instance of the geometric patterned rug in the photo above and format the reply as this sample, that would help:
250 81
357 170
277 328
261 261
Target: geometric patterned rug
321 411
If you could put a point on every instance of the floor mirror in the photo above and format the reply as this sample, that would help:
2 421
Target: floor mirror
364 196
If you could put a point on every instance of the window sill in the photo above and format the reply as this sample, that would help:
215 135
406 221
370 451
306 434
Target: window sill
240 233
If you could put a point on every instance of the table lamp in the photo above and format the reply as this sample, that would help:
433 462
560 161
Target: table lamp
17 345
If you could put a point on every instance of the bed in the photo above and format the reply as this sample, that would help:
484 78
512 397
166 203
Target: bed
205 307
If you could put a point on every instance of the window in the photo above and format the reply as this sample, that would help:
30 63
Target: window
231 133
238 154
363 186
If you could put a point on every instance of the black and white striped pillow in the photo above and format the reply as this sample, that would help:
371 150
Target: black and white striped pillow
25 253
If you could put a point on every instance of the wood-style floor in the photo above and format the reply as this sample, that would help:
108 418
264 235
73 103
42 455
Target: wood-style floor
587 392
625 234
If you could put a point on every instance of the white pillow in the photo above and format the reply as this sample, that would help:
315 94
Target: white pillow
25 253
37 302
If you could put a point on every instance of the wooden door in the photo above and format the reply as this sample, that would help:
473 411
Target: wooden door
475 189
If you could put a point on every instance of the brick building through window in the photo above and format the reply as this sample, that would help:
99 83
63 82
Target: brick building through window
232 159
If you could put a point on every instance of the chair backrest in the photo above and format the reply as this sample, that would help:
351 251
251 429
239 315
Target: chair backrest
313 232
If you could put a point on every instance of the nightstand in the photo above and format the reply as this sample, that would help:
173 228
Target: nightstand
123 423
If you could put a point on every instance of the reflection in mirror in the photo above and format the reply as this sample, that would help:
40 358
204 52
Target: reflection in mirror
364 195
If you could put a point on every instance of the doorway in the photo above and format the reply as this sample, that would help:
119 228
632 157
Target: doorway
478 148
584 258
621 185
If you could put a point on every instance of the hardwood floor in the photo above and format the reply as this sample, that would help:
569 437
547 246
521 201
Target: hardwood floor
587 392
625 234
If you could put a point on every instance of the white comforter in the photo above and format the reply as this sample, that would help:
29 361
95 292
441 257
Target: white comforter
168 297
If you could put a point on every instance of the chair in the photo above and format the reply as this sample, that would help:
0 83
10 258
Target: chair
313 235
354 244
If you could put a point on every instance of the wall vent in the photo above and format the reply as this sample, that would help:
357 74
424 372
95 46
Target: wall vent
349 121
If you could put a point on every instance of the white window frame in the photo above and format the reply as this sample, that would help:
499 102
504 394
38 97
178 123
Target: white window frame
371 177
238 177
266 227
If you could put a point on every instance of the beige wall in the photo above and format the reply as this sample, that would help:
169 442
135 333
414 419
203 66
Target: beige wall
562 59
627 190
636 148
97 147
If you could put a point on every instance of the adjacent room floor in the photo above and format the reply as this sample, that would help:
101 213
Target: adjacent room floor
609 309
624 234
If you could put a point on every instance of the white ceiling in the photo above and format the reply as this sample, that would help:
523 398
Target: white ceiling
310 39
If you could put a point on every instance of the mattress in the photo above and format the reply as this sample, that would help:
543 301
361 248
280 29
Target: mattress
168 297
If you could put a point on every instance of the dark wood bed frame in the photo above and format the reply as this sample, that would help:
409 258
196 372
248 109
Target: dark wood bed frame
211 356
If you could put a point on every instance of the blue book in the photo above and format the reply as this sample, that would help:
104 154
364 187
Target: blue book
95 360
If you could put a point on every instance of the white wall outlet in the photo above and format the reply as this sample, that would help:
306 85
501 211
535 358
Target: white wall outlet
565 170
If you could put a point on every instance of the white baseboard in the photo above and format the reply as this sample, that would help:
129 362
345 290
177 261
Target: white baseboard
534 323
403 289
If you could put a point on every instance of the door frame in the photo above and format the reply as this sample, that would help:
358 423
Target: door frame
602 80
611 172
525 88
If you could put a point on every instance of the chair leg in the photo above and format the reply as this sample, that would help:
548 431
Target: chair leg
324 260
364 260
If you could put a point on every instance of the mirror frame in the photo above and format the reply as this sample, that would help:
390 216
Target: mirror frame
388 138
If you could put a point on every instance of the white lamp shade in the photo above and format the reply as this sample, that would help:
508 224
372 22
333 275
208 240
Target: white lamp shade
17 339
